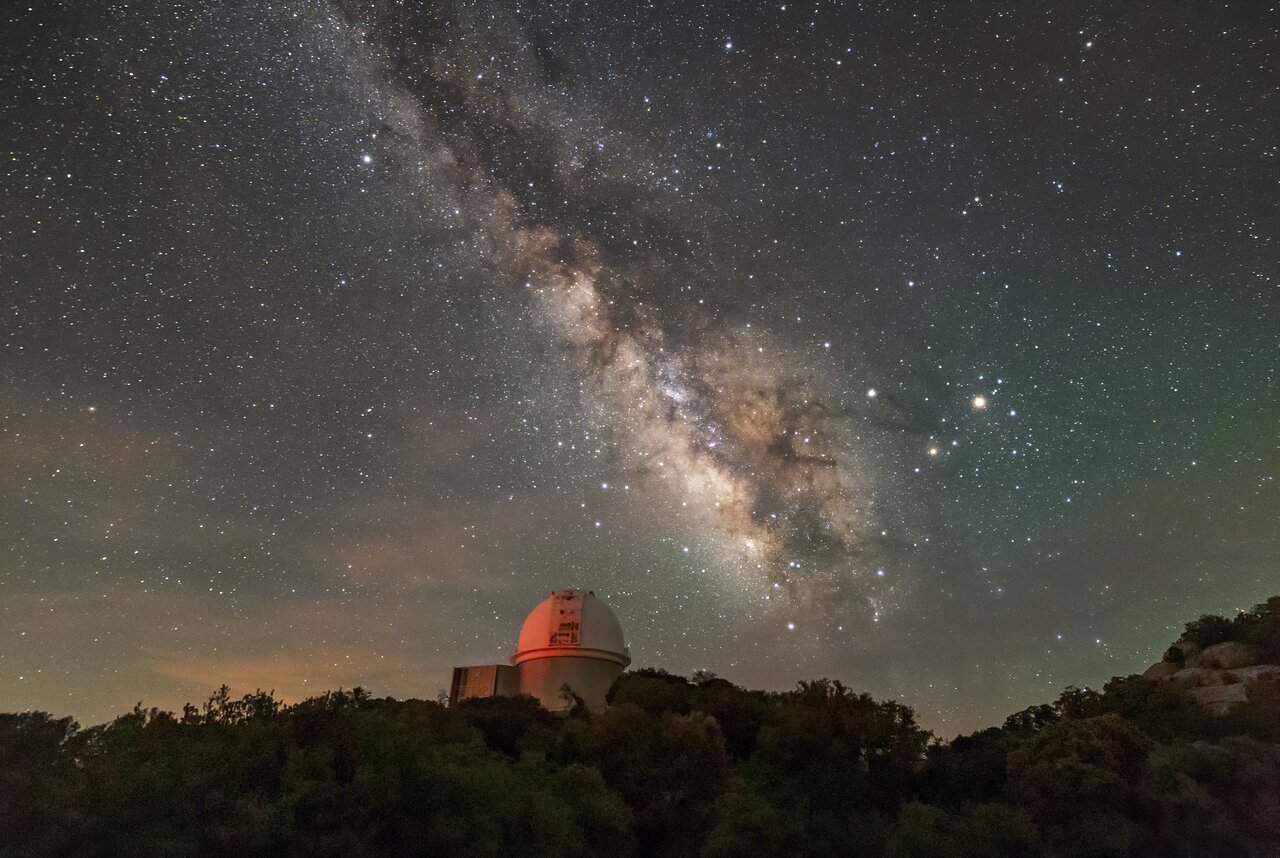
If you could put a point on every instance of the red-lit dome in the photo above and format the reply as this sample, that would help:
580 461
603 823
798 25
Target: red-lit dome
571 623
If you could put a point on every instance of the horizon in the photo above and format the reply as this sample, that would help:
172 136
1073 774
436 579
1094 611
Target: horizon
293 699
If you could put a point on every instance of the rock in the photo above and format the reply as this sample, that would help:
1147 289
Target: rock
1197 677
1226 656
1219 698
1258 673
1217 690
1218 677
1160 670
1188 649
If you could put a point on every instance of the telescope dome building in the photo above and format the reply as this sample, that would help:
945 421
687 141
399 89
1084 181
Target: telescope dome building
571 638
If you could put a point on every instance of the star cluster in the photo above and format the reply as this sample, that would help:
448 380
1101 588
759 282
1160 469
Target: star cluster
932 349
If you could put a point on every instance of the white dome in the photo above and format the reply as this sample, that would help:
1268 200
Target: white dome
571 623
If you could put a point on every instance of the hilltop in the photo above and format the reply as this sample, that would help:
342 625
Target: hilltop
676 766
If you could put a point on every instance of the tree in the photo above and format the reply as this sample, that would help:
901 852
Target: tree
40 786
670 769
1210 629
1077 780
675 767
654 691
1214 798
511 725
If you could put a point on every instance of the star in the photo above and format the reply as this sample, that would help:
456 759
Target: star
628 270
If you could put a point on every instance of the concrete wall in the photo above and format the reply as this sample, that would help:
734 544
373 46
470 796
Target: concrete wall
590 678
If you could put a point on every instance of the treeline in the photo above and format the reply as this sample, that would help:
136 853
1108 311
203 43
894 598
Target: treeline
676 766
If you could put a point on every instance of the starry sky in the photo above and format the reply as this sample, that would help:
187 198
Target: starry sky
931 347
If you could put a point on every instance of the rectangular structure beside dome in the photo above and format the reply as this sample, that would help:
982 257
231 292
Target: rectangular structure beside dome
483 680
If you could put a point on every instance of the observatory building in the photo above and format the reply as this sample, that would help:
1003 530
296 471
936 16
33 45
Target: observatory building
571 638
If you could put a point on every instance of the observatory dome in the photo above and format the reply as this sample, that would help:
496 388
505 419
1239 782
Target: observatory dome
569 653
571 623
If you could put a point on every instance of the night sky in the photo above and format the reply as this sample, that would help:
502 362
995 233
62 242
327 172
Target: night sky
930 347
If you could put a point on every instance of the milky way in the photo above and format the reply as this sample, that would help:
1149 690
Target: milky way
746 442
929 349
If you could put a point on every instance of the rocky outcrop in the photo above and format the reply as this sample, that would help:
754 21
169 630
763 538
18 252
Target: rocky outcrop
1182 652
1161 670
1218 677
1258 673
1234 686
1199 677
1225 656
1220 698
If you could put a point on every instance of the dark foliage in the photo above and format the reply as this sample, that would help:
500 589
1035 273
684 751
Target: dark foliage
674 767
1259 627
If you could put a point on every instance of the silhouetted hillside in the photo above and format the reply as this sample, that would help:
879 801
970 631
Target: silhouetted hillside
675 767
